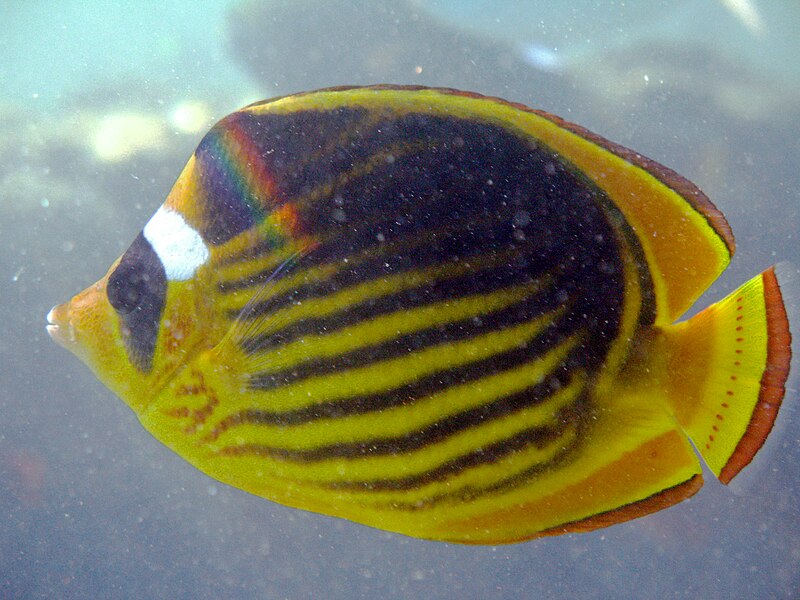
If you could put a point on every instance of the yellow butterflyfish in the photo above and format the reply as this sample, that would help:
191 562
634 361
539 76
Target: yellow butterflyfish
436 313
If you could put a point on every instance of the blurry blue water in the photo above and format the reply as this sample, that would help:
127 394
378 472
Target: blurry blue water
93 507
759 35
53 49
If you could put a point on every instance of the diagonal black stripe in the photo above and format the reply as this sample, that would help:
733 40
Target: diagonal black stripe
578 416
406 393
469 493
268 245
430 434
539 437
431 248
376 255
523 310
480 281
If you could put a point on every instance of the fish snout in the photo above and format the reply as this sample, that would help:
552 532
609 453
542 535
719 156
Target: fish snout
59 326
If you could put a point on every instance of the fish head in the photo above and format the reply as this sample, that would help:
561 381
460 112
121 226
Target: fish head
147 317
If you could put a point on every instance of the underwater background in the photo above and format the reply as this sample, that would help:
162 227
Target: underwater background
102 103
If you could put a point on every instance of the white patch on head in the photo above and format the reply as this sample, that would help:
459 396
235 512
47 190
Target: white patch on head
177 244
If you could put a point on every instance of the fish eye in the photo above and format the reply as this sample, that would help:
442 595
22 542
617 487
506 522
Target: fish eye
127 287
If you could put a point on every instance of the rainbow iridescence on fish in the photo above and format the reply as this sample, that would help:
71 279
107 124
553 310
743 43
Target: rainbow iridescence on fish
439 314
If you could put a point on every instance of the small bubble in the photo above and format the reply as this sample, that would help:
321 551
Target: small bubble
521 218
380 237
339 215
606 267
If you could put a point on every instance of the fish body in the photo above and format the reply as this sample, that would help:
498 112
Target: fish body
439 314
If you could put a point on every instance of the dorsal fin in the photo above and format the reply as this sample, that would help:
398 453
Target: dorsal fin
685 239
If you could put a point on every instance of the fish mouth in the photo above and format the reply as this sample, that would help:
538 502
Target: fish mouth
60 329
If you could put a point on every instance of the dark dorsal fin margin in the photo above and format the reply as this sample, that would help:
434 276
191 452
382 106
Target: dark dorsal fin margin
680 185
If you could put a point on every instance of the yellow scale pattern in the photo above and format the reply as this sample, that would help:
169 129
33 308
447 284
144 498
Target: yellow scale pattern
250 442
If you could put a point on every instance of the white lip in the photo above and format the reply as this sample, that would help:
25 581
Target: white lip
52 328
56 331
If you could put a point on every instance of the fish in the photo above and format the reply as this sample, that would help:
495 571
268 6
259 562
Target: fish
440 314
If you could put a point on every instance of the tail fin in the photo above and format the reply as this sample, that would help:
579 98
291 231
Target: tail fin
727 369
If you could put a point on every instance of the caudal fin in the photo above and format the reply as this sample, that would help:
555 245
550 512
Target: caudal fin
727 372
